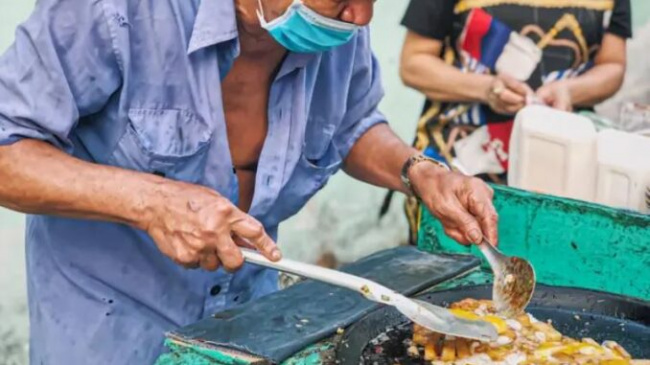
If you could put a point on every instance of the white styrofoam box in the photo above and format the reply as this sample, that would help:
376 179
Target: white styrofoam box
553 152
623 170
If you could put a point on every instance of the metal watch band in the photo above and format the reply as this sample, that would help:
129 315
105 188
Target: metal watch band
412 161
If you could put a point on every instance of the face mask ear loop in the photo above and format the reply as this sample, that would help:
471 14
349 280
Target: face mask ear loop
262 17
260 13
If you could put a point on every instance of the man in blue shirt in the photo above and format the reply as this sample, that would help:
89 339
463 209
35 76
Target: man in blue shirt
150 139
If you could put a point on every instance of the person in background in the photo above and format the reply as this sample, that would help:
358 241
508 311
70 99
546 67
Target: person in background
478 62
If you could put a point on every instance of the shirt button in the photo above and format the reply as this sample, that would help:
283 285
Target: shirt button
215 290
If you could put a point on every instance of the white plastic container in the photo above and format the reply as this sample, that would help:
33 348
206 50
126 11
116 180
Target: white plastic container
623 168
553 152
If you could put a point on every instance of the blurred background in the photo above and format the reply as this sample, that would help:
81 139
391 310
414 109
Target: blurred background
340 224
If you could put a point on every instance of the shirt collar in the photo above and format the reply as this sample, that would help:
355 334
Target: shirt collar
296 61
215 22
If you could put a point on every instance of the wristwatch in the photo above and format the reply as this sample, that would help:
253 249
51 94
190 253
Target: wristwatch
412 161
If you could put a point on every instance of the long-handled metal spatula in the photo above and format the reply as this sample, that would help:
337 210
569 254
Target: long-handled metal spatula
434 318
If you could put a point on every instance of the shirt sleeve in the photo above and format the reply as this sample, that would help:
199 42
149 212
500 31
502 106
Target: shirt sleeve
364 95
430 18
620 23
61 66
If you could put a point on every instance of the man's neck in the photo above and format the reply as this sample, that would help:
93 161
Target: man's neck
255 41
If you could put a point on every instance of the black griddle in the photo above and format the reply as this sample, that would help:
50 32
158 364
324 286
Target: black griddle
576 313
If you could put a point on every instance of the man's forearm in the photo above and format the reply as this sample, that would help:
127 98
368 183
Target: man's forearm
377 158
462 204
37 178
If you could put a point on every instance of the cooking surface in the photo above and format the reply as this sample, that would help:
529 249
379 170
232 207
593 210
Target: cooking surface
309 312
379 338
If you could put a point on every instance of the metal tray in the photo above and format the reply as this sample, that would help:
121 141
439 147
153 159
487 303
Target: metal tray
575 312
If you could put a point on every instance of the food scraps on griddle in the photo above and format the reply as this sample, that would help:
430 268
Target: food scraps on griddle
522 341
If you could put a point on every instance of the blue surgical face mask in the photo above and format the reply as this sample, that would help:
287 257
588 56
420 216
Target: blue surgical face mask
302 30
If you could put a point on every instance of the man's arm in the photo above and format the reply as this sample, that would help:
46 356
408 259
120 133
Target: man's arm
369 162
463 204
45 88
374 154
38 178
191 224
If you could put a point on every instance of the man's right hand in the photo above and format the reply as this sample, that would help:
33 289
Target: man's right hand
196 227
506 95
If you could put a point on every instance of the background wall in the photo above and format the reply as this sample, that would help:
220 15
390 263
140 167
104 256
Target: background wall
341 220
641 12
13 305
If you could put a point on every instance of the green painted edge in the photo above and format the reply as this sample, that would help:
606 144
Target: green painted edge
569 242
189 354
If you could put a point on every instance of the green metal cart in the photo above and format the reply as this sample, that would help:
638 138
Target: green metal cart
570 243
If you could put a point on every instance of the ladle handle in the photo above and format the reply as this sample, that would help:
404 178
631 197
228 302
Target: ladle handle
492 255
366 287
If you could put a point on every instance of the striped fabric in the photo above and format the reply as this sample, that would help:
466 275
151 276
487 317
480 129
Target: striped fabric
566 73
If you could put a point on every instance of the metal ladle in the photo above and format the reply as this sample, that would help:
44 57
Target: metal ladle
514 277
514 280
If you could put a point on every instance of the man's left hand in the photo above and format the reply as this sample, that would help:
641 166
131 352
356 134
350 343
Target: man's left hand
463 204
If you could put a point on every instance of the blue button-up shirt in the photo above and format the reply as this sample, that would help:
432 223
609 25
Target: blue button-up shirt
136 84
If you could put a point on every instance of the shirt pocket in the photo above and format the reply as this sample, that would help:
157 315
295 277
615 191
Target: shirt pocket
167 142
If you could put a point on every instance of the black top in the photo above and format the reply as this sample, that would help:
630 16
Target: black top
571 52
435 18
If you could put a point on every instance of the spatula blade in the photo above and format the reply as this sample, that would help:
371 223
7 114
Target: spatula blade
441 320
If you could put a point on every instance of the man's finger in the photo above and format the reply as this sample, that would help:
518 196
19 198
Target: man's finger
229 254
251 230
457 236
483 210
185 255
210 261
242 242
462 220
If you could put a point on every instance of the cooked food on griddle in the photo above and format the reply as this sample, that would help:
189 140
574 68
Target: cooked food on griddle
522 340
